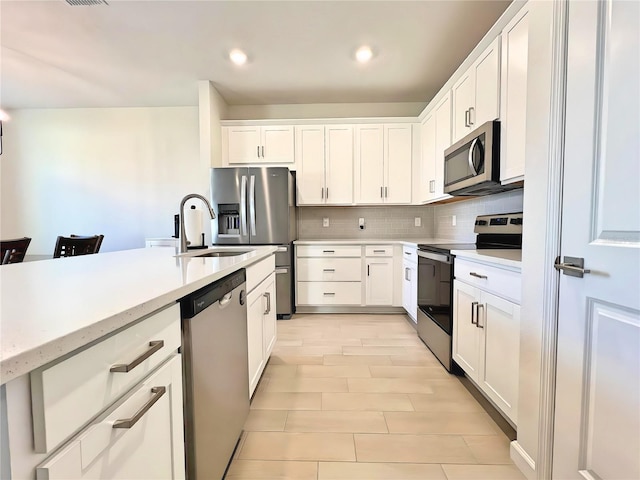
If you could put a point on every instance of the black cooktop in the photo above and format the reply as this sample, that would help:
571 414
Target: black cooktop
446 247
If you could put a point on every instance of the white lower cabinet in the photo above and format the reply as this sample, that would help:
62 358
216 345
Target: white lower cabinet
261 328
139 438
410 283
486 344
379 279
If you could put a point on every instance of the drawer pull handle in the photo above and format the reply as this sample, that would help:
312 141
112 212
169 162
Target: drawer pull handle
378 251
268 297
328 251
130 422
329 294
407 253
477 275
328 269
154 346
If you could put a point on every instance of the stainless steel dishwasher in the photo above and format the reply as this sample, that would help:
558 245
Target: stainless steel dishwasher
216 374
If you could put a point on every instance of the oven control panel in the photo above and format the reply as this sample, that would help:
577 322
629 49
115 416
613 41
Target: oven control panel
499 223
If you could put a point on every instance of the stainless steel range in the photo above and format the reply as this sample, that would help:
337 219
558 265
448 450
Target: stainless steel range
435 279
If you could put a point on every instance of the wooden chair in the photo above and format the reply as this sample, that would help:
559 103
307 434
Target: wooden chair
75 245
13 251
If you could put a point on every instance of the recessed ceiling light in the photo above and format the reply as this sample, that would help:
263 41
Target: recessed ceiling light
238 57
364 54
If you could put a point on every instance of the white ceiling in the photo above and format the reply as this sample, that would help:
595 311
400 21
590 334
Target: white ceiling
152 53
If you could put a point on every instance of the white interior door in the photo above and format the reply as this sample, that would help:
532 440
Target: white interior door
597 417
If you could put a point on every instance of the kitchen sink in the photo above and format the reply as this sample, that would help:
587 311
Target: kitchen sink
223 253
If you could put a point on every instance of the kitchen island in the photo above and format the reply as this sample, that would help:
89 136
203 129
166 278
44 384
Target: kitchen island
55 311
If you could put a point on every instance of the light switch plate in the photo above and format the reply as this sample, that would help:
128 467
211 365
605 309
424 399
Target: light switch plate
417 222
325 222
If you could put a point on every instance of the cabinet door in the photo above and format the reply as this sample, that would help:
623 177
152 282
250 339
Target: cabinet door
310 154
255 311
269 317
513 106
244 144
428 156
500 324
397 164
339 164
369 164
462 95
442 142
277 144
413 301
379 281
486 72
466 335
151 448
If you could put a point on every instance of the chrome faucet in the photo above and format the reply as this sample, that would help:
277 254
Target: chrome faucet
183 234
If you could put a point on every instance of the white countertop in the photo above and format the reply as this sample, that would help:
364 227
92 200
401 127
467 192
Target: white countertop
51 307
412 242
505 257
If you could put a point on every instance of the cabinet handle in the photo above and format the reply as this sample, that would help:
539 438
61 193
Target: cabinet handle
328 251
471 122
258 151
473 311
328 270
407 253
367 270
466 118
381 196
263 151
478 315
328 294
477 275
378 251
327 193
406 274
130 422
267 295
322 193
432 186
154 346
386 192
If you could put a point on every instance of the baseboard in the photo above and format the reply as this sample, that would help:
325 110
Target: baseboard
522 460
347 309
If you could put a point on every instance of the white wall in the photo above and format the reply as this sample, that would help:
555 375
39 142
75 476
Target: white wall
212 108
120 172
324 110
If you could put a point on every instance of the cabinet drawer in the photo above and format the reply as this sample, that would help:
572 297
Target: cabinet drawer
379 250
329 293
67 394
151 448
259 271
329 251
329 269
410 254
502 282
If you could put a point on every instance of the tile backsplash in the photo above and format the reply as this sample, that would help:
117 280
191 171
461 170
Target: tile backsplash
466 212
398 222
392 222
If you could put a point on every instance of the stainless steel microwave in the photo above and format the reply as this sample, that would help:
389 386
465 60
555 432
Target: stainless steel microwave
472 165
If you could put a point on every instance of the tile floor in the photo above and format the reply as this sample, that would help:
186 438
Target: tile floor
359 397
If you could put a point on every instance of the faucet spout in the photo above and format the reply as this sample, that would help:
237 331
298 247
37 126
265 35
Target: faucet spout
183 236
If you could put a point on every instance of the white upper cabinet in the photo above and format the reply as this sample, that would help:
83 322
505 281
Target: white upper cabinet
476 94
258 144
325 164
383 164
436 137
513 105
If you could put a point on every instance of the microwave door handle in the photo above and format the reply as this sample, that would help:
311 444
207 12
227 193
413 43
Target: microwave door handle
471 149
243 206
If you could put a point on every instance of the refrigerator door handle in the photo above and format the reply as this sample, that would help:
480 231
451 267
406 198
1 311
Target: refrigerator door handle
243 206
252 204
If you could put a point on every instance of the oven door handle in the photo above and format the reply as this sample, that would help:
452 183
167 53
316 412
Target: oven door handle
438 257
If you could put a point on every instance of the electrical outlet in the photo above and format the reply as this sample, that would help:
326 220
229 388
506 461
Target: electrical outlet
417 221
453 220
325 222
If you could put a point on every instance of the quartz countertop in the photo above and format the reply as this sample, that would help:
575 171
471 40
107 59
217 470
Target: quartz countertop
411 242
50 308
504 257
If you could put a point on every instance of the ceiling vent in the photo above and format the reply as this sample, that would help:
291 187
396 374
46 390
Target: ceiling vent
86 3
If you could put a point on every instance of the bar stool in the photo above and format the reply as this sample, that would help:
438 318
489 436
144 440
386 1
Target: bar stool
77 245
13 251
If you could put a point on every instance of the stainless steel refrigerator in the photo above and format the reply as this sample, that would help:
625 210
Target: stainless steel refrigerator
256 206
